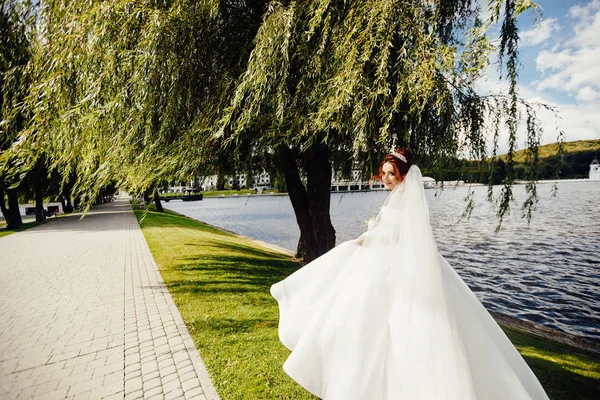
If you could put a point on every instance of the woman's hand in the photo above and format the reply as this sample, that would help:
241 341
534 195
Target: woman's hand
361 240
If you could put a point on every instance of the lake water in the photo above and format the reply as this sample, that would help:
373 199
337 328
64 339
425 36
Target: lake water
547 272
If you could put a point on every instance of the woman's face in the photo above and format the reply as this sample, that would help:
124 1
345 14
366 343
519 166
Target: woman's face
389 178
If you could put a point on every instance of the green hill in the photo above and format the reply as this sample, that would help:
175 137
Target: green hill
550 150
576 164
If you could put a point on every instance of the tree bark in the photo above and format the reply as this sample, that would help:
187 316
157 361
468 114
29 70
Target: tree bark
11 213
68 206
159 206
40 215
146 197
311 204
2 203
220 181
318 185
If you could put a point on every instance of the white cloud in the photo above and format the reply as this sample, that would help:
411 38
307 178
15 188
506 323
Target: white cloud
569 70
539 33
587 93
571 67
587 30
584 11
577 121
574 66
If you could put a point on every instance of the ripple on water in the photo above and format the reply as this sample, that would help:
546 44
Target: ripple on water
547 272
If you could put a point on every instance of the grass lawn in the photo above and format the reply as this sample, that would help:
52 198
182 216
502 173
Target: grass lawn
220 284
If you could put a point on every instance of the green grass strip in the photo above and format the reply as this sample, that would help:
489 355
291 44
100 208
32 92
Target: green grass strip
22 227
220 284
565 372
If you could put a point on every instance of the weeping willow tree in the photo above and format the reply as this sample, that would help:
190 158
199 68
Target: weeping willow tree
15 42
151 91
331 80
126 91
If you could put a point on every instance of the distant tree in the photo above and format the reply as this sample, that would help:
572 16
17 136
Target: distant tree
15 52
128 91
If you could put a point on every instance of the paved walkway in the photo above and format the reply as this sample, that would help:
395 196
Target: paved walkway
85 314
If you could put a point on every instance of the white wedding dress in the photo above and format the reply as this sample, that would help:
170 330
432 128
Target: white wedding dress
391 319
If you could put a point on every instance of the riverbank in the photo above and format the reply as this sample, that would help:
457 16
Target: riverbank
220 283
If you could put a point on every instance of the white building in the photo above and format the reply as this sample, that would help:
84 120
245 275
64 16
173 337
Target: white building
27 210
263 180
353 183
595 170
260 180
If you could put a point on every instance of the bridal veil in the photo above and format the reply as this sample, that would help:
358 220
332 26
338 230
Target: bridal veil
391 319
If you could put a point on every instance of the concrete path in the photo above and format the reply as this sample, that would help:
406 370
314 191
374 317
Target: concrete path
85 314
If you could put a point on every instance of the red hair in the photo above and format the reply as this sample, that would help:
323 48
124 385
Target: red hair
400 167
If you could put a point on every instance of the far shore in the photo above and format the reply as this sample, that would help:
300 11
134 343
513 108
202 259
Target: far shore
446 185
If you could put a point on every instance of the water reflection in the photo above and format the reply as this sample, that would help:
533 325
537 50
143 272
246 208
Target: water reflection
547 272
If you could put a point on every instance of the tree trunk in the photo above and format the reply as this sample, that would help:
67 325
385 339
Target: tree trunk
159 206
220 181
146 197
311 204
68 206
40 215
11 213
2 203
318 186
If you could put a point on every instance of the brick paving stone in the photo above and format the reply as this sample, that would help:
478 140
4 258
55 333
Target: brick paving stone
190 384
171 385
167 370
134 395
85 386
169 378
27 393
133 385
79 360
116 396
174 394
195 393
87 315
57 394
188 376
133 374
152 383
150 393
114 378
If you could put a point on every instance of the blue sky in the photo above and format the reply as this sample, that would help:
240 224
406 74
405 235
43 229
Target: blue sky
560 57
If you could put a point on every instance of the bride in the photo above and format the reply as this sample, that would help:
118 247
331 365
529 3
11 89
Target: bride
385 317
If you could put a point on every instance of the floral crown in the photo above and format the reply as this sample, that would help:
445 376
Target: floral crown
399 156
